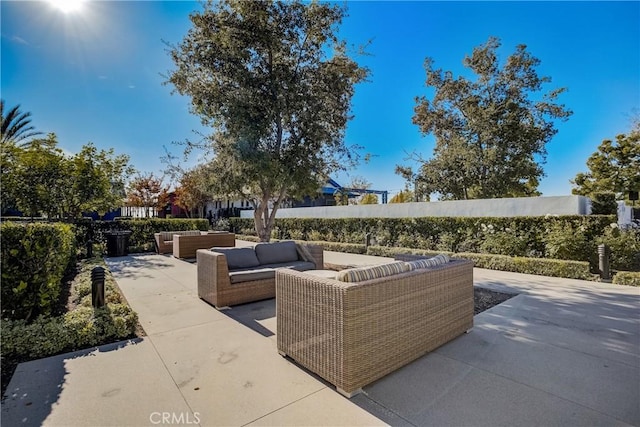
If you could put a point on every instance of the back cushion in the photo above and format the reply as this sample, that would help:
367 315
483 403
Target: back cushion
429 262
239 257
275 253
367 273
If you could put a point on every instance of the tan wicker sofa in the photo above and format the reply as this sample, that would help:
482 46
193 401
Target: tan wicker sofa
164 239
352 334
186 246
234 276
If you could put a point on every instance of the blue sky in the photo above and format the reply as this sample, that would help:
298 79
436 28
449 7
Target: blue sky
96 74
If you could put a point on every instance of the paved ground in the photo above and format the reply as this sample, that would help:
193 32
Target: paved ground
563 352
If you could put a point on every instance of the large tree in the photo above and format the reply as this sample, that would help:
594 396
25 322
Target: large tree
614 168
275 84
491 132
15 126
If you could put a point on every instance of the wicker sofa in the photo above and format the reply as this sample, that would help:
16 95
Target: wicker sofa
231 276
352 334
186 246
164 239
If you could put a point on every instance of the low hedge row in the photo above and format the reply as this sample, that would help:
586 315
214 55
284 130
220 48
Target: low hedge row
34 259
142 230
540 266
628 278
79 328
563 237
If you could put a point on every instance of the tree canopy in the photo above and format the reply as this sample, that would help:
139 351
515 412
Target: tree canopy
490 133
39 178
405 196
147 191
275 84
613 168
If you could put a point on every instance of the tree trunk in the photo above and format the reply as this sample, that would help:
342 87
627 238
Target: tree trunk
263 229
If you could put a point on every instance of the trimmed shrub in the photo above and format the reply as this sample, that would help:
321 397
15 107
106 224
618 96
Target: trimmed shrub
627 278
544 267
79 328
35 257
571 243
625 247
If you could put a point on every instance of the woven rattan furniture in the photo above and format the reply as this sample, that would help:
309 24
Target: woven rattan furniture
164 239
352 334
186 246
216 288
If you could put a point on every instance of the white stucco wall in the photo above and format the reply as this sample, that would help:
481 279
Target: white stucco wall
522 206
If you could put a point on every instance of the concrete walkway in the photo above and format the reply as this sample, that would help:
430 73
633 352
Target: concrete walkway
562 352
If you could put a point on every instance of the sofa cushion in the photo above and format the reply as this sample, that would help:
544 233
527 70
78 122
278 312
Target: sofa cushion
374 272
277 252
239 257
295 265
251 274
428 262
304 254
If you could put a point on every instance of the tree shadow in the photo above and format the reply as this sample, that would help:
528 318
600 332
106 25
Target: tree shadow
36 385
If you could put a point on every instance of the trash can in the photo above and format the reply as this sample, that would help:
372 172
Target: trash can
118 243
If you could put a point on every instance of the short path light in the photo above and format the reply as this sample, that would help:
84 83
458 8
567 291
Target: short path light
603 262
97 287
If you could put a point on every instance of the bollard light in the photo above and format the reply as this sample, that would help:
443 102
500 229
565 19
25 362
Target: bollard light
367 240
97 286
603 262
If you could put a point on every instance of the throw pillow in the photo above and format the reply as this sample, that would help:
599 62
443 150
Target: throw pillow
374 272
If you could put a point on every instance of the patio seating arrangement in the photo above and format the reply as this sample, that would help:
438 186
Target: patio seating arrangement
185 246
234 276
354 332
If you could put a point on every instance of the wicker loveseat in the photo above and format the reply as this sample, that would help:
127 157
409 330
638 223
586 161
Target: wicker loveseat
231 276
352 334
164 239
186 246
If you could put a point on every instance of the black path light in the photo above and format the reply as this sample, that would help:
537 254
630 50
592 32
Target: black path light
97 286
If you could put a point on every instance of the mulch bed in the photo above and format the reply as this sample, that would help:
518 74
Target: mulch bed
484 299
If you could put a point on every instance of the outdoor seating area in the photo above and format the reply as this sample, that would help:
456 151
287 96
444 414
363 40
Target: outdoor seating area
562 352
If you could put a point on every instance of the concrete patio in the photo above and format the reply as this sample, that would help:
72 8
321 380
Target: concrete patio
562 352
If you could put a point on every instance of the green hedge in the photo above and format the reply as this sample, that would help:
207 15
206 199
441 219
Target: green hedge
539 266
35 257
555 237
544 267
627 278
79 328
142 230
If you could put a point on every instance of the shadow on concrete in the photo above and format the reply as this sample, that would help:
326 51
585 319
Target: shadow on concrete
36 385
252 313
135 266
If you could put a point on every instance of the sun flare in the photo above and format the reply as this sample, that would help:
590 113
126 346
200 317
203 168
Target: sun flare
67 6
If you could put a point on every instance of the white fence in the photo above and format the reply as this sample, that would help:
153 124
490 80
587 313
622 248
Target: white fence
508 207
138 212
